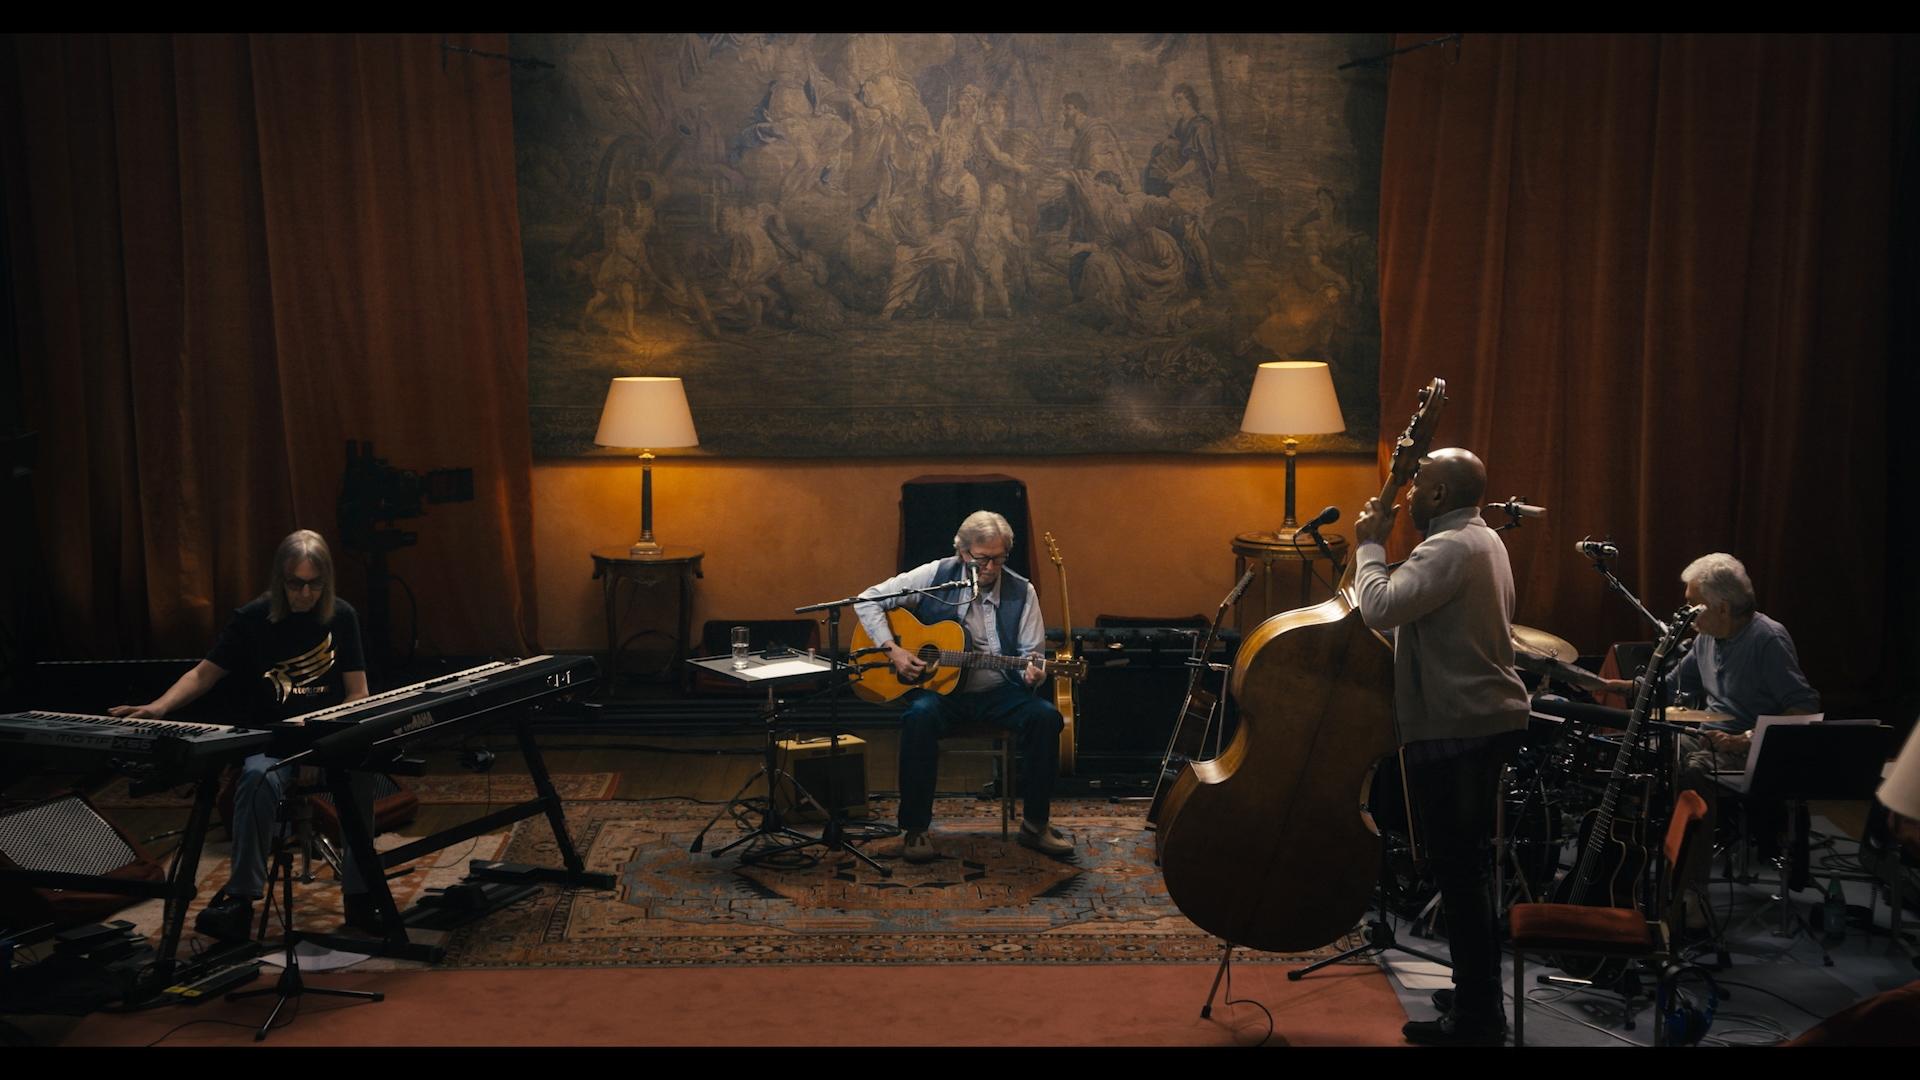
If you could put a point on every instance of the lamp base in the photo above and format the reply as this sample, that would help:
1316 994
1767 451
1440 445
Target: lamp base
645 549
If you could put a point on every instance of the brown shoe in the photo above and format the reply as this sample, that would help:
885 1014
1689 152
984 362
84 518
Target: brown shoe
917 847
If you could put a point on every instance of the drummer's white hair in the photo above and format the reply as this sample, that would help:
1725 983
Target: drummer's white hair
1720 576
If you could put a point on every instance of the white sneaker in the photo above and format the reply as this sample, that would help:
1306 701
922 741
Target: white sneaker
1045 839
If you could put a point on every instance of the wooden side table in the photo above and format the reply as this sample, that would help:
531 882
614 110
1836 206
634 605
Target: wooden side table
1276 555
647 574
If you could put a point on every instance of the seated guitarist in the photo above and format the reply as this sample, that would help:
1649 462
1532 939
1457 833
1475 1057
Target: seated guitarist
1004 619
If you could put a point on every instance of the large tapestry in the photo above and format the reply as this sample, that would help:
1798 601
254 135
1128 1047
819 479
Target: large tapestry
901 244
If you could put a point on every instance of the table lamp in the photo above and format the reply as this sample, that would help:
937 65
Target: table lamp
646 412
1292 397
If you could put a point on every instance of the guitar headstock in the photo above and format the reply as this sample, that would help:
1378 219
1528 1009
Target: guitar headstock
1053 550
1417 439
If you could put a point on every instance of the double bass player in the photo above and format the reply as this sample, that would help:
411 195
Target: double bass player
1461 710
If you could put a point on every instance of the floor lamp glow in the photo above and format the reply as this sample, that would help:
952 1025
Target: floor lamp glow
646 412
1292 397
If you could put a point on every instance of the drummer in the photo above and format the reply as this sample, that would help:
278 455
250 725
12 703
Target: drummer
1742 666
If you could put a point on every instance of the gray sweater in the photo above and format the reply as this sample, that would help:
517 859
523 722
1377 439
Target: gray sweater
1450 606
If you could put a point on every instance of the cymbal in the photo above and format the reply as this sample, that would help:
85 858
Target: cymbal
1540 643
1678 715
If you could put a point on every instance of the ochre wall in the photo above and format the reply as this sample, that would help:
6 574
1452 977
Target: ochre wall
1139 535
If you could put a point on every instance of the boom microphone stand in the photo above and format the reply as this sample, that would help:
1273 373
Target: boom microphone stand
290 985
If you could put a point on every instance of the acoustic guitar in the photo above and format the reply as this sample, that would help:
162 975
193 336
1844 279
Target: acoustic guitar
1064 689
943 648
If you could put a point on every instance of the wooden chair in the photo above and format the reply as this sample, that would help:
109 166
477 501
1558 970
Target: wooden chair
1614 933
999 743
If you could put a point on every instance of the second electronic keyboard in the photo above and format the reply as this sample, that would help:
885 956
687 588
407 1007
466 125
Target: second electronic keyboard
409 711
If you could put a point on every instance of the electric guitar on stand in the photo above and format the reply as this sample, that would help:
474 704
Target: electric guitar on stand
1613 850
943 648
1065 688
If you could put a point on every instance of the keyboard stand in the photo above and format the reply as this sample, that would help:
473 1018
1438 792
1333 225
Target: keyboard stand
356 832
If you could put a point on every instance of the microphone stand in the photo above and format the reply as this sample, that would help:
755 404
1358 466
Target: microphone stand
1600 564
1333 561
833 835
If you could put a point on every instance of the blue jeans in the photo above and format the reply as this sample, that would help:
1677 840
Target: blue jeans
929 716
256 804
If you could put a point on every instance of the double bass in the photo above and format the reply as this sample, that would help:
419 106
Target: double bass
1266 845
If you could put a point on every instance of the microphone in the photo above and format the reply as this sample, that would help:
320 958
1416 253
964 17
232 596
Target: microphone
1515 508
1325 517
973 579
1597 549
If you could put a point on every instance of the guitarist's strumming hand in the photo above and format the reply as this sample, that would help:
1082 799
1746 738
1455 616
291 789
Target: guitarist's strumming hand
905 664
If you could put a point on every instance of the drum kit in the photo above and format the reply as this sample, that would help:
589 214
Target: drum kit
1559 774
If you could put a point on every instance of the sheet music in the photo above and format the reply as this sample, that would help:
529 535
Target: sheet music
782 668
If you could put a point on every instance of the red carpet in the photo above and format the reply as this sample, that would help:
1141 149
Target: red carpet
836 1005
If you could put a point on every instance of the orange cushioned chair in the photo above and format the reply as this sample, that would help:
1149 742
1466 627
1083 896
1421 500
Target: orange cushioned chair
1625 933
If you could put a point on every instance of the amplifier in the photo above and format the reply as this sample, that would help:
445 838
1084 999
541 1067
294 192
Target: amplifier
66 834
1136 683
837 780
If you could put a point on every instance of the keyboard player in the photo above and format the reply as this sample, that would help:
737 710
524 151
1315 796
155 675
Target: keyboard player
300 645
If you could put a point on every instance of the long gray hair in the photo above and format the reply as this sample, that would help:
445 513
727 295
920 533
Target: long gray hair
301 544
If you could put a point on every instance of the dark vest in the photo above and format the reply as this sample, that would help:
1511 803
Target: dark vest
944 606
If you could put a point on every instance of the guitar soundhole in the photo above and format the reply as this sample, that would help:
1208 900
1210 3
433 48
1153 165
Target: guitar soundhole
930 656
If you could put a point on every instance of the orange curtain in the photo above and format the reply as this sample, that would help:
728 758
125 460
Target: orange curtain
232 254
1654 271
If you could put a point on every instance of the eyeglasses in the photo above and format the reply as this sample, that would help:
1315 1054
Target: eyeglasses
300 584
991 560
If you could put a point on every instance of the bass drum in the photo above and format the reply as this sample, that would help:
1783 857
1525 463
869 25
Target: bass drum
1408 891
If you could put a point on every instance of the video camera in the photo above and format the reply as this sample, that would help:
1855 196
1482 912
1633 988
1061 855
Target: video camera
374 493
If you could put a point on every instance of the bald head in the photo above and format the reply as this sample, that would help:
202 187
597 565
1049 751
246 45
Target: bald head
1448 480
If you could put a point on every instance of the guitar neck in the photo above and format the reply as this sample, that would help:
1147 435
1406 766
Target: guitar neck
990 660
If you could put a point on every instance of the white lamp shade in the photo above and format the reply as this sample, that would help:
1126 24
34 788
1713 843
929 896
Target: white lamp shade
1900 791
1293 397
646 412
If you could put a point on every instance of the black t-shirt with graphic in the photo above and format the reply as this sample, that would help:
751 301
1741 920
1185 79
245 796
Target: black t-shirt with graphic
290 667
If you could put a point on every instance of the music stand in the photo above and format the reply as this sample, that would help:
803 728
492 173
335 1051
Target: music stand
1799 759
783 668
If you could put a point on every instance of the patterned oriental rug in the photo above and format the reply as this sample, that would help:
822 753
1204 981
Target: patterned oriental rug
987 900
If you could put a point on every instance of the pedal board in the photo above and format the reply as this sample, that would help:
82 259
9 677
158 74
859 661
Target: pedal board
444 909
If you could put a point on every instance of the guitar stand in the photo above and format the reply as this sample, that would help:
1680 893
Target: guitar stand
290 985
773 824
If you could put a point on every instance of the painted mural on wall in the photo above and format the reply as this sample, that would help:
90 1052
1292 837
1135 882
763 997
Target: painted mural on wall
900 244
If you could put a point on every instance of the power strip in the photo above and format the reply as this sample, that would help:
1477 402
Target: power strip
215 982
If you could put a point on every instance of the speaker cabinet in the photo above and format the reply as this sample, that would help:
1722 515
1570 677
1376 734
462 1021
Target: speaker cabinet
1136 684
836 780
67 835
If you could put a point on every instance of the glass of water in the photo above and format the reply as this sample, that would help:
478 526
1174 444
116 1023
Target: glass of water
739 648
